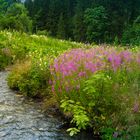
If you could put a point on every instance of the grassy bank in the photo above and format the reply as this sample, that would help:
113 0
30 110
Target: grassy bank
97 87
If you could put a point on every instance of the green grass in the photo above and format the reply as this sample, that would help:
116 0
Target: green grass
21 45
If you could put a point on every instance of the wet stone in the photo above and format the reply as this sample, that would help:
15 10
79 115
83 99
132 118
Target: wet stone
22 119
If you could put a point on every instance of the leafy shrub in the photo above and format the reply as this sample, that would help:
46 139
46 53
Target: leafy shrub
79 113
43 32
16 76
104 82
16 18
96 20
30 78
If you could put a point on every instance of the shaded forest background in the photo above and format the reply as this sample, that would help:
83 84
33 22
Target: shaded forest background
99 21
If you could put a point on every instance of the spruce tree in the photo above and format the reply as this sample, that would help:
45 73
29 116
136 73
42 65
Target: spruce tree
61 28
79 26
53 18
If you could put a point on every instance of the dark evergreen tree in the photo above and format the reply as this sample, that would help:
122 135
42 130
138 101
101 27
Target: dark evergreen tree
61 28
53 17
29 6
45 14
16 18
79 26
3 6
96 21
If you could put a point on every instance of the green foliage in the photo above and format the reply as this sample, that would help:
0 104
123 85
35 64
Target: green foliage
107 132
16 18
15 46
73 131
107 102
96 21
5 58
132 33
116 41
61 28
5 52
98 93
3 6
80 117
79 25
110 19
43 32
31 78
46 16
104 103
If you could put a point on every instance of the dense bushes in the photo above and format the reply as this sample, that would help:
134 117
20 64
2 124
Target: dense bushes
85 20
30 78
132 33
15 17
104 84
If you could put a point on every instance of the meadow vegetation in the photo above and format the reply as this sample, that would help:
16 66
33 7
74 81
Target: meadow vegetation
97 87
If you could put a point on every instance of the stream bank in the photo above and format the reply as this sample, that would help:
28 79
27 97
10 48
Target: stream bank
24 119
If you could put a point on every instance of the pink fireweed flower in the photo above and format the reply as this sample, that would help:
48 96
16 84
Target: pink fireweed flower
81 74
126 55
50 82
56 66
75 65
53 89
115 61
90 66
136 107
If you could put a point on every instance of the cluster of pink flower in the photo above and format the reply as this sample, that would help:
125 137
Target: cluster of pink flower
77 64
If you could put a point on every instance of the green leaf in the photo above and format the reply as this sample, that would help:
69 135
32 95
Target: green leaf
73 131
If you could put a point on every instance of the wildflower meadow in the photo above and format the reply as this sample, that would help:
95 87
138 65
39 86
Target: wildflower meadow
96 87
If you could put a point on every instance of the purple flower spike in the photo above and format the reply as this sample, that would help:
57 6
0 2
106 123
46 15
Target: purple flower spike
136 108
115 134
77 65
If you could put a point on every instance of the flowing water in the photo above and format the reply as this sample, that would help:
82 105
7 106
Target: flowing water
23 119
